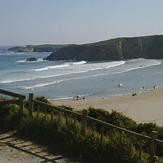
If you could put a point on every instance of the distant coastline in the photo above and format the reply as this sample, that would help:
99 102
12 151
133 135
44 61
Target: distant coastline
36 48
149 47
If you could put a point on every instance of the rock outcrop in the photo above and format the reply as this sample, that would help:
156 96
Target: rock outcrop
31 59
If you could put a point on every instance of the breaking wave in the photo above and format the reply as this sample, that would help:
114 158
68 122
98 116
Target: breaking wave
51 67
95 75
79 63
60 66
88 67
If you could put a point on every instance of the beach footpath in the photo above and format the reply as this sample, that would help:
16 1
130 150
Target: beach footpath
16 150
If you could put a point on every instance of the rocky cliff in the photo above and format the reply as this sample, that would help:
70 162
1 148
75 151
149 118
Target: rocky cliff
150 47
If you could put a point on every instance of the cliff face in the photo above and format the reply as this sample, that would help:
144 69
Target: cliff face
83 52
116 49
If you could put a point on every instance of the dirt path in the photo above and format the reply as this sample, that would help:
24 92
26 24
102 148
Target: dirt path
13 149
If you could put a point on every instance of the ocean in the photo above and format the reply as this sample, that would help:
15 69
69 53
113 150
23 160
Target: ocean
65 79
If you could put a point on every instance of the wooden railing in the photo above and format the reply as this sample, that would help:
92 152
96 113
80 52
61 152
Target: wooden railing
86 119
18 98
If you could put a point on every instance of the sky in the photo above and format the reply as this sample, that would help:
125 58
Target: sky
35 22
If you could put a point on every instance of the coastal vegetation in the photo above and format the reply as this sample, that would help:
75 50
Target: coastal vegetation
149 47
115 146
37 48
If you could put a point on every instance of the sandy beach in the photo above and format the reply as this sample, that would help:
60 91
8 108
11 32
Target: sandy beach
143 108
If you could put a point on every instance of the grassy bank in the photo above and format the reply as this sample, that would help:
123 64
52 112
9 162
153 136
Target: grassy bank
114 147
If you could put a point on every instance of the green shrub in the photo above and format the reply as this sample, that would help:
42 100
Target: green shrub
10 117
117 147
114 118
67 107
146 128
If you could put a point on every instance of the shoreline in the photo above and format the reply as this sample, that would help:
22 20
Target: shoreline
143 107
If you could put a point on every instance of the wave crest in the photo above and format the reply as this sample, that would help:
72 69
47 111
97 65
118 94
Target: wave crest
79 63
51 67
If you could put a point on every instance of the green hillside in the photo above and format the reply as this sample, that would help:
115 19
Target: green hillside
150 47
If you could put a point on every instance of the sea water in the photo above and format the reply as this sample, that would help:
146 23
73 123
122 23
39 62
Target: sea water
65 79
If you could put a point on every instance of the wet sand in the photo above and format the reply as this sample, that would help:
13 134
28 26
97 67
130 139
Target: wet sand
143 108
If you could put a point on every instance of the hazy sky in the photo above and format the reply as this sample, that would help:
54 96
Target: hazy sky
24 22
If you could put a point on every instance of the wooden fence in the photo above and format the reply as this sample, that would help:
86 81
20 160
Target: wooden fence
18 99
85 119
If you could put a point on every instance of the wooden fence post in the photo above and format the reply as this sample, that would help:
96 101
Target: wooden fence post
153 147
66 116
45 112
21 106
38 110
84 122
30 104
93 127
102 133
59 120
52 115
